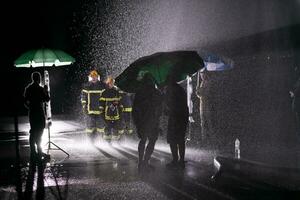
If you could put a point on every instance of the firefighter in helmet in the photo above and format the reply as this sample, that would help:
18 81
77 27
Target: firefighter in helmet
110 102
90 96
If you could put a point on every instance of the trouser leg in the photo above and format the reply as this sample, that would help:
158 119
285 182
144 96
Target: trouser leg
32 140
100 125
141 149
181 147
90 127
149 150
38 141
174 151
108 130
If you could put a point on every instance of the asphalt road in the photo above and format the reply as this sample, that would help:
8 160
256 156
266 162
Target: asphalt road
109 171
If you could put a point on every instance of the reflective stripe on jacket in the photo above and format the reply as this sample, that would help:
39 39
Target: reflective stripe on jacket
90 95
111 102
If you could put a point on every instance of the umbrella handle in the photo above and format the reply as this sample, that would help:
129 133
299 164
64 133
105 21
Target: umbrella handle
198 79
48 104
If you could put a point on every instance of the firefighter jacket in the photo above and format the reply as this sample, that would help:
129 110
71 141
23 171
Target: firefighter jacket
90 96
110 102
126 101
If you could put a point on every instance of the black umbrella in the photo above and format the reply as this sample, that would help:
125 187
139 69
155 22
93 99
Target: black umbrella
160 65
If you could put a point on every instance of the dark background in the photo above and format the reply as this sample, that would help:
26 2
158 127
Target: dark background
251 101
30 25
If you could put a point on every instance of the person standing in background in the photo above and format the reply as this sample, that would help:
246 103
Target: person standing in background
146 112
178 116
35 96
90 95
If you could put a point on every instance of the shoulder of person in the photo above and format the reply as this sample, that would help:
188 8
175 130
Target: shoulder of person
28 87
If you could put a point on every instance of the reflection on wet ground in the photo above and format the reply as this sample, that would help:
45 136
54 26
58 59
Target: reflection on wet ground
109 171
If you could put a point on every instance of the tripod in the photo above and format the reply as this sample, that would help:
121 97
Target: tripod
49 143
48 113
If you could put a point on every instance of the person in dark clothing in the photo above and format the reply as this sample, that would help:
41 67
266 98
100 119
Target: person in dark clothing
127 101
90 96
295 95
177 111
110 103
146 112
35 96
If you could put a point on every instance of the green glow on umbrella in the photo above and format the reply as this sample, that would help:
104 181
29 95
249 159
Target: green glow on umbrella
44 58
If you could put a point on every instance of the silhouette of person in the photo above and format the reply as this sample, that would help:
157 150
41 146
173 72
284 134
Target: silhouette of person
178 114
202 92
35 96
295 95
146 112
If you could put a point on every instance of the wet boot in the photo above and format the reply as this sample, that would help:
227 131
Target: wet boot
148 153
181 148
174 150
141 149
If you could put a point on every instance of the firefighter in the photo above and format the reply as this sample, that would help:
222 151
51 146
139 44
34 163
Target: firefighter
127 101
90 96
110 103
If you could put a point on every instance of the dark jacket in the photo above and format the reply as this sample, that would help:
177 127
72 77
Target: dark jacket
90 96
127 101
110 102
35 96
146 110
177 110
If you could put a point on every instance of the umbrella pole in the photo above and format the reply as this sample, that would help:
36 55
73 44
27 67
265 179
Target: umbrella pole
190 104
199 97
49 115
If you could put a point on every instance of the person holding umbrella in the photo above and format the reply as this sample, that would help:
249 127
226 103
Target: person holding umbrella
178 113
146 111
35 96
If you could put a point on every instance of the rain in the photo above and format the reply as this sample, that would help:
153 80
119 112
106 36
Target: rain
250 103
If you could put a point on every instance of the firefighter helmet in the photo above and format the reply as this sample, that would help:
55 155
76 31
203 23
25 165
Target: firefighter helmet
110 80
94 73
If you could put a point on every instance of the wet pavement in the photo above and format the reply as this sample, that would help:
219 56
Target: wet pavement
109 171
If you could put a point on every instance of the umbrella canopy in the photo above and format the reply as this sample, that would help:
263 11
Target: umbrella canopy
160 65
44 58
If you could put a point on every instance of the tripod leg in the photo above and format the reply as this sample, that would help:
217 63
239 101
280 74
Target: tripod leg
49 144
60 149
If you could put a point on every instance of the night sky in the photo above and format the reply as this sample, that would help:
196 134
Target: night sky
30 25
114 33
35 24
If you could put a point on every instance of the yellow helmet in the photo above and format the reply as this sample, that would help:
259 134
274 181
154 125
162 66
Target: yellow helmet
94 73
110 80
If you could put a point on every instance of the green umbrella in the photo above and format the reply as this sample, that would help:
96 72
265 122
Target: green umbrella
44 58
160 65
